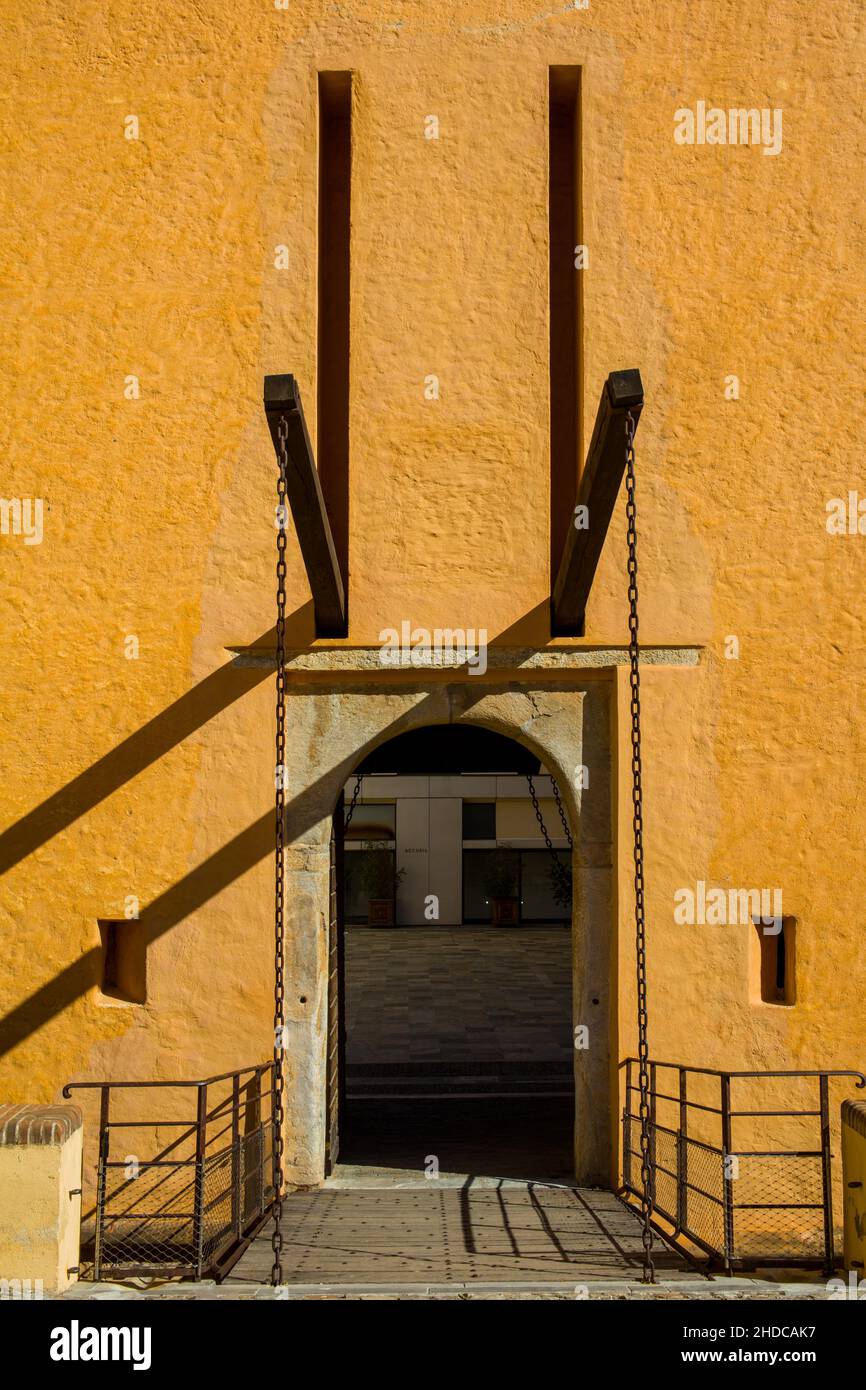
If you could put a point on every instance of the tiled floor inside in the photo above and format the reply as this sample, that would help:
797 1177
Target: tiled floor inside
429 1003
458 1044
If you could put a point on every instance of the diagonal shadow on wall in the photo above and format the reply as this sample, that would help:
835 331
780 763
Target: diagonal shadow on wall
152 741
216 872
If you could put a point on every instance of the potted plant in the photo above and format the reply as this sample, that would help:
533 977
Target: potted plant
500 884
379 881
560 882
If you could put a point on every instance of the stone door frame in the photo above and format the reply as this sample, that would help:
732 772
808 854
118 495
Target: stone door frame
335 723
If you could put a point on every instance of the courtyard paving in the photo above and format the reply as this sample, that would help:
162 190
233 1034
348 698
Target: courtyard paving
457 1008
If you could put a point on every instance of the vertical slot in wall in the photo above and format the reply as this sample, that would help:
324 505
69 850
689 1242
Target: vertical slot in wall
335 179
564 227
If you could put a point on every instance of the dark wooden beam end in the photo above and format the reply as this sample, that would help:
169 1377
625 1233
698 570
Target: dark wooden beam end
282 398
599 487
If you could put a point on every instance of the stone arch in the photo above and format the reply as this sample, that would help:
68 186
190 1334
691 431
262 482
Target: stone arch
566 724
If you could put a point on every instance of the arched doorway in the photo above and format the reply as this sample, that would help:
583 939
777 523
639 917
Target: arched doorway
450 990
562 722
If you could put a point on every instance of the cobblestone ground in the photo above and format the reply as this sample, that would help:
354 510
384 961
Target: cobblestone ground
721 1290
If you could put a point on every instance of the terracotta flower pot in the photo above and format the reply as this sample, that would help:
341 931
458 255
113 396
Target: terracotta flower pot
505 912
380 912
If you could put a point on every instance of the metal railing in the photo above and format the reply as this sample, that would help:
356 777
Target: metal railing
169 1202
746 1184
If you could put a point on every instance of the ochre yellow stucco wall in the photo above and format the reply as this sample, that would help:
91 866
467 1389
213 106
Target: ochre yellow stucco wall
155 258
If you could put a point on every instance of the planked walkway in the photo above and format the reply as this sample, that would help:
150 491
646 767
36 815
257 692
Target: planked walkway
436 1232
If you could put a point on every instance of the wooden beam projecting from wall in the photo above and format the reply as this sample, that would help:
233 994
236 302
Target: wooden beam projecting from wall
599 486
304 491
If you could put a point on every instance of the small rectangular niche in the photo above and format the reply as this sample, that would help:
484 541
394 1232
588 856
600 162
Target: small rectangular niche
124 961
774 960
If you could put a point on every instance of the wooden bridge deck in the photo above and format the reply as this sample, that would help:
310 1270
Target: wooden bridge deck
425 1232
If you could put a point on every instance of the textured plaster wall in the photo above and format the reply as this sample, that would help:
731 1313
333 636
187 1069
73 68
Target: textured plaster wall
155 258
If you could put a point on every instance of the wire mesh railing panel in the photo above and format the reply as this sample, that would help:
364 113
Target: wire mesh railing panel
147 1217
174 1192
257 1176
703 1197
254 1177
778 1206
749 1179
218 1220
664 1153
631 1152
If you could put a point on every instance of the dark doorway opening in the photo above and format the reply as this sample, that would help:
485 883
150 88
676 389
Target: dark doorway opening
451 1036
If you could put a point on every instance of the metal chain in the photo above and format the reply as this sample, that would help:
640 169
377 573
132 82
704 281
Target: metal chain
637 822
279 866
556 798
351 811
560 870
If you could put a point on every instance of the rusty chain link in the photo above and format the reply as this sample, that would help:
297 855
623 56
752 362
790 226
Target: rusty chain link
558 801
561 872
637 823
279 865
351 811
565 877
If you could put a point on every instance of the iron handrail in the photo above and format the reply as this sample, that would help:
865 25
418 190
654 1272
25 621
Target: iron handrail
204 1081
715 1071
224 1180
730 1247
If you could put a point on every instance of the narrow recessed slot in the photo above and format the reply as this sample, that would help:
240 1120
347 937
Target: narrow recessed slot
564 225
335 177
776 960
124 961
